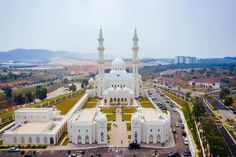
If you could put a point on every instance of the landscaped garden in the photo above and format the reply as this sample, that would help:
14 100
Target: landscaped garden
146 103
91 103
108 110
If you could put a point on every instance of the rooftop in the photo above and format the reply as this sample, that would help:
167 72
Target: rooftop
151 115
85 115
32 128
34 110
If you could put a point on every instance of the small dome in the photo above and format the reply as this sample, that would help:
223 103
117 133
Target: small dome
118 64
101 117
118 88
110 89
135 117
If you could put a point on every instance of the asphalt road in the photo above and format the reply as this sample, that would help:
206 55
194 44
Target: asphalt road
224 133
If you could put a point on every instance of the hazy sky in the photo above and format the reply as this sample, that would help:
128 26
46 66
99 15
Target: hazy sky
166 28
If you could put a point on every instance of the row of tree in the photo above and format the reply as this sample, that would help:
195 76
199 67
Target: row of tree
225 96
213 141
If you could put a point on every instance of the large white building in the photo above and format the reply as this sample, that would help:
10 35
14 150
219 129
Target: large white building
118 85
150 126
35 126
185 60
88 126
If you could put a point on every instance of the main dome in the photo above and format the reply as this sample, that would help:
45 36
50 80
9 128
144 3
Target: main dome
118 64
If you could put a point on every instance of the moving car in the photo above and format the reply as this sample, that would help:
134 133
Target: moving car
13 149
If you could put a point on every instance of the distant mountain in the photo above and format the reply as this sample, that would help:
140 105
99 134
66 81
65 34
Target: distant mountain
43 55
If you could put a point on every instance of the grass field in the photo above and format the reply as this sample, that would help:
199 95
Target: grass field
108 110
146 103
66 105
62 106
108 126
126 117
128 110
128 125
91 103
111 117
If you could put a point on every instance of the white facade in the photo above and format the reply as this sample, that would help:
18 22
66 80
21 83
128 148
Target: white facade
35 126
118 85
150 126
88 126
212 85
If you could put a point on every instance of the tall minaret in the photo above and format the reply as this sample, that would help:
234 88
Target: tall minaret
101 54
135 49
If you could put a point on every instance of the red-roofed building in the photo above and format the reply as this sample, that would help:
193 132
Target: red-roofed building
213 83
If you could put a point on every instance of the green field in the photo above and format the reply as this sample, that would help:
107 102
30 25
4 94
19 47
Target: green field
111 117
108 110
91 103
108 126
57 100
146 103
126 116
128 125
128 110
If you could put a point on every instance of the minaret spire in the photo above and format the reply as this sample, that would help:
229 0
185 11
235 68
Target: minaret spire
135 49
101 52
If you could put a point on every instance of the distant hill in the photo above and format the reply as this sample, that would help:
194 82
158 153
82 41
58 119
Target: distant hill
43 55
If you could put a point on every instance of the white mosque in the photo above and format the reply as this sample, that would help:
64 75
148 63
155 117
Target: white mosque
118 85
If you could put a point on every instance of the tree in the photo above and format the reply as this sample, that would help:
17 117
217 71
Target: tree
41 93
29 97
198 110
85 82
228 101
72 87
8 91
224 92
188 94
19 99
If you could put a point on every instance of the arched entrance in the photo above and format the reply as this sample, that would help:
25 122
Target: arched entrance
86 139
51 140
150 139
79 139
158 138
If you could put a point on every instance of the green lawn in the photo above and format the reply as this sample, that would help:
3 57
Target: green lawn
146 103
128 125
66 105
91 103
10 112
108 126
108 110
128 110
5 124
111 117
126 117
62 138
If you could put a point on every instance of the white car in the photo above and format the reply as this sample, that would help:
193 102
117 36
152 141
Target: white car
13 149
185 141
177 125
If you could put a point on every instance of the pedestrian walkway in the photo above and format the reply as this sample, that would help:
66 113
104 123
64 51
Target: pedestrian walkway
119 134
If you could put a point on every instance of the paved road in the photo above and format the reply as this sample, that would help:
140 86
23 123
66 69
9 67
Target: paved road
224 133
175 117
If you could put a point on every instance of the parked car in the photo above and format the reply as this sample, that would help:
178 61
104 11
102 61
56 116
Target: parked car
134 145
173 154
185 141
177 125
184 133
187 152
182 126
180 120
173 130
13 149
171 105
